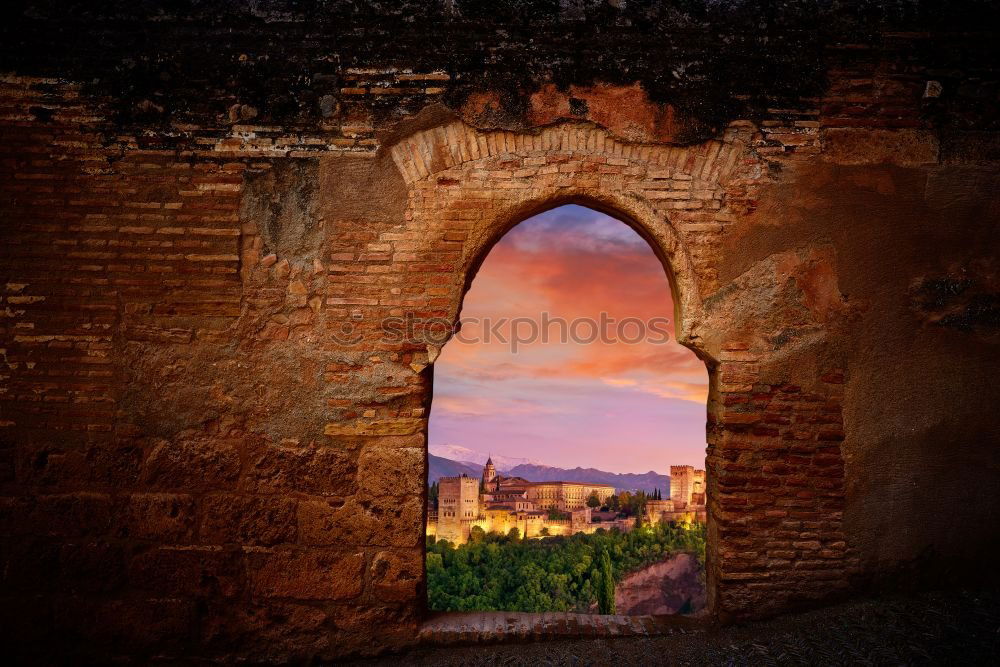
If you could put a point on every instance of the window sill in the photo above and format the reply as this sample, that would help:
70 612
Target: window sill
449 628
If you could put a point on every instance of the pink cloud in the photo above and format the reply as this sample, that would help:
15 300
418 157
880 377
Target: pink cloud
570 263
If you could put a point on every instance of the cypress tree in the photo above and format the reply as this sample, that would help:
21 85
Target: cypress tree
606 592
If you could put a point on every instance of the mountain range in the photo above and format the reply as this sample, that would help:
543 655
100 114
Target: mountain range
439 466
622 481
460 453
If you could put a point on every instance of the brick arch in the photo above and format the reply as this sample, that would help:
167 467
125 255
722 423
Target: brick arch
775 471
469 187
431 151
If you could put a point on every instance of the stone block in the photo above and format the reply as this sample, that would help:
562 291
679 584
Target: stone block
90 567
247 520
310 574
396 575
370 629
310 469
92 626
164 517
72 514
391 470
322 522
203 572
101 464
193 464
265 632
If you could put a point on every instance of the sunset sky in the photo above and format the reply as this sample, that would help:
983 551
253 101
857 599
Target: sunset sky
618 407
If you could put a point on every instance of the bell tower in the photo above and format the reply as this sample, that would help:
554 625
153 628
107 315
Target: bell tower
489 473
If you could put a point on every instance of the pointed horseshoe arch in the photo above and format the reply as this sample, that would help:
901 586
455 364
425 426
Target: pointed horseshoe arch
468 188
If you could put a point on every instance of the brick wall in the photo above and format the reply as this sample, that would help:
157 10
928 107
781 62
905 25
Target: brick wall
196 461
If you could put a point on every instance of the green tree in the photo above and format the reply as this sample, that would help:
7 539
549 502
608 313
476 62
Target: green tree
432 495
638 507
559 573
625 503
613 503
477 534
606 592
514 534
593 501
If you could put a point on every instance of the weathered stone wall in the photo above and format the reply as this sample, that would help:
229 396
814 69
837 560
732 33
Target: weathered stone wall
211 448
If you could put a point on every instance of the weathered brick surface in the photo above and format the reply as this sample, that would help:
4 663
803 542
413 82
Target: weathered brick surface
774 452
210 448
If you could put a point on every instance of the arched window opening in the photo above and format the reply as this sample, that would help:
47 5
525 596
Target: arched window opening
567 432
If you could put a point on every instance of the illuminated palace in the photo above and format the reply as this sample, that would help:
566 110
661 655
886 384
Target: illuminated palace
497 503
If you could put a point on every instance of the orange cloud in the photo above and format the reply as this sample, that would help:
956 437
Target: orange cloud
571 275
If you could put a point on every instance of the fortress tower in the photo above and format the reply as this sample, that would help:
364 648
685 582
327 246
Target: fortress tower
458 507
687 486
681 485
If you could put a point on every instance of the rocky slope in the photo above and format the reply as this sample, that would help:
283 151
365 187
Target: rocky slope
671 586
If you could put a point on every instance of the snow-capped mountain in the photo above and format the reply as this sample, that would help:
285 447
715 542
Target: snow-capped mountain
466 455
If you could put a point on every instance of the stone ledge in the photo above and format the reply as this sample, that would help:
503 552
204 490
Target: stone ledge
454 628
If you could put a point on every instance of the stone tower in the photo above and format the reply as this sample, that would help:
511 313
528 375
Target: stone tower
489 473
681 485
